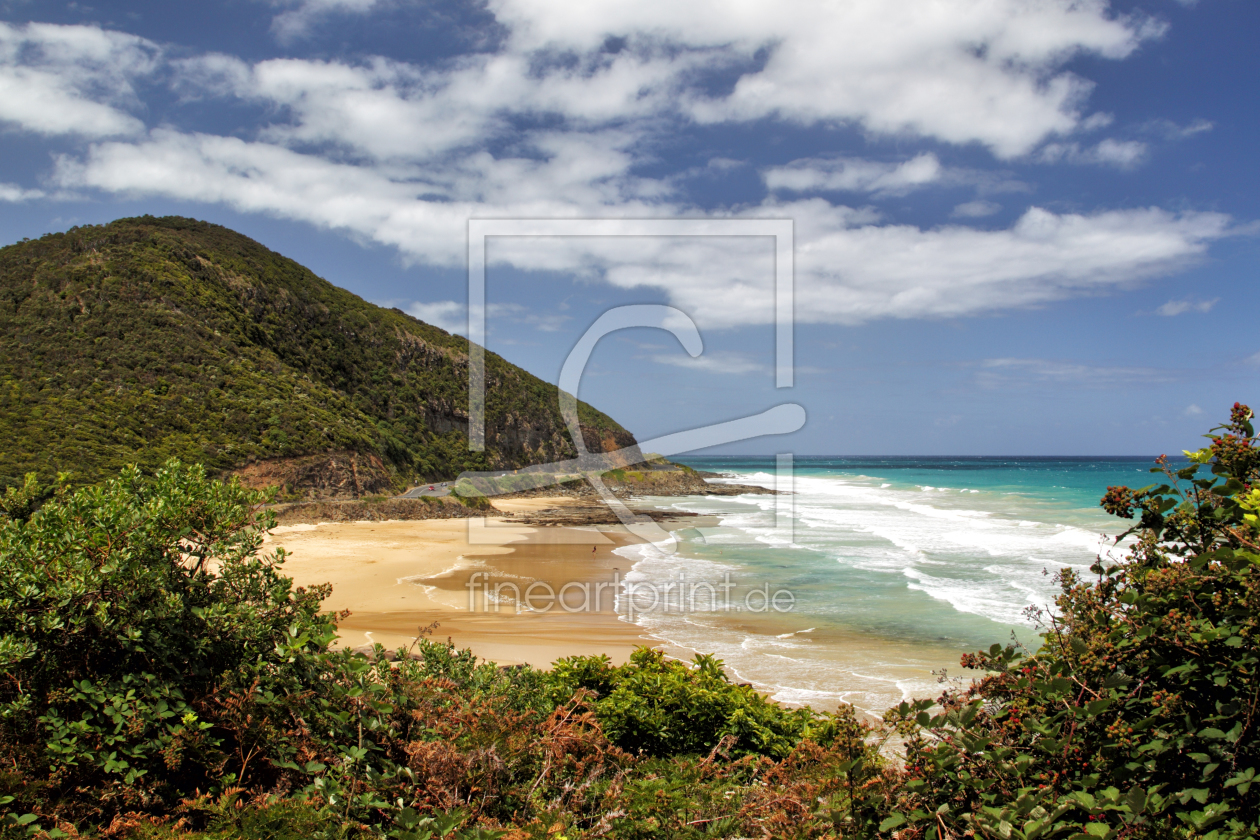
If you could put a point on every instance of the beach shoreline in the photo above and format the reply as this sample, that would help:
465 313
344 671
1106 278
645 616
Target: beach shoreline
398 577
402 579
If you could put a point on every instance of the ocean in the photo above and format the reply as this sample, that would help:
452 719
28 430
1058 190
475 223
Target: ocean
867 583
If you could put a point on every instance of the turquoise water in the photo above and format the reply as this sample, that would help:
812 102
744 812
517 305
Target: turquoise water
895 565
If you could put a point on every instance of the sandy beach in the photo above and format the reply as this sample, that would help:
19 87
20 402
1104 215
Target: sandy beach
495 585
397 577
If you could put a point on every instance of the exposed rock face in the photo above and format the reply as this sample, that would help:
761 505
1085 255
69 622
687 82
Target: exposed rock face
350 475
586 509
607 440
313 513
329 475
674 483
629 483
591 513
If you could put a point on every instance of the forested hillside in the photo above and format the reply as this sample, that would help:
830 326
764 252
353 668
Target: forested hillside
151 338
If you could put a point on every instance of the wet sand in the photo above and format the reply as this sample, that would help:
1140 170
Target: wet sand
398 577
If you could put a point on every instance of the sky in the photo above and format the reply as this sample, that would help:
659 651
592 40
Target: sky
1020 227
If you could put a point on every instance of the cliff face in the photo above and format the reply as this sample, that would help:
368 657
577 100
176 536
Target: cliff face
326 475
632 483
606 440
150 338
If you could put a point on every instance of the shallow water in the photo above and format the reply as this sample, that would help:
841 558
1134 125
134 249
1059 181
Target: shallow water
894 567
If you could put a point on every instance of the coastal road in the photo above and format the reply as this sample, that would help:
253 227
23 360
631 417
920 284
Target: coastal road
436 489
440 488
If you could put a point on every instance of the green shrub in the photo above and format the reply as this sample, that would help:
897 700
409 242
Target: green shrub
21 502
152 653
121 607
467 494
661 707
1138 716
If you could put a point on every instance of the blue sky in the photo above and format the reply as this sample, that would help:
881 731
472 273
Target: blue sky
1021 227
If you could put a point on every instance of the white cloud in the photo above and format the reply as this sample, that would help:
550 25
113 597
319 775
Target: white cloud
1253 360
392 111
1192 410
452 316
849 268
401 154
975 209
847 275
1096 121
1014 373
583 175
962 71
71 79
975 71
1124 154
731 363
883 178
1170 130
444 314
1179 307
13 193
853 175
61 79
297 21
541 321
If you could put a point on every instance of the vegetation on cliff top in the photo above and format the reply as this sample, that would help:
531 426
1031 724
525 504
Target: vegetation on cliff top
152 338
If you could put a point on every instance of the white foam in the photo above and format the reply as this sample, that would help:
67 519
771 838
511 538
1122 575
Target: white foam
460 564
294 529
848 518
954 551
807 696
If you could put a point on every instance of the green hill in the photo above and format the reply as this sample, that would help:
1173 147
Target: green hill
148 338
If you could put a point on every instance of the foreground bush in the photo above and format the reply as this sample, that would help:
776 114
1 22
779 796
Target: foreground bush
161 674
123 609
1138 716
661 707
162 678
